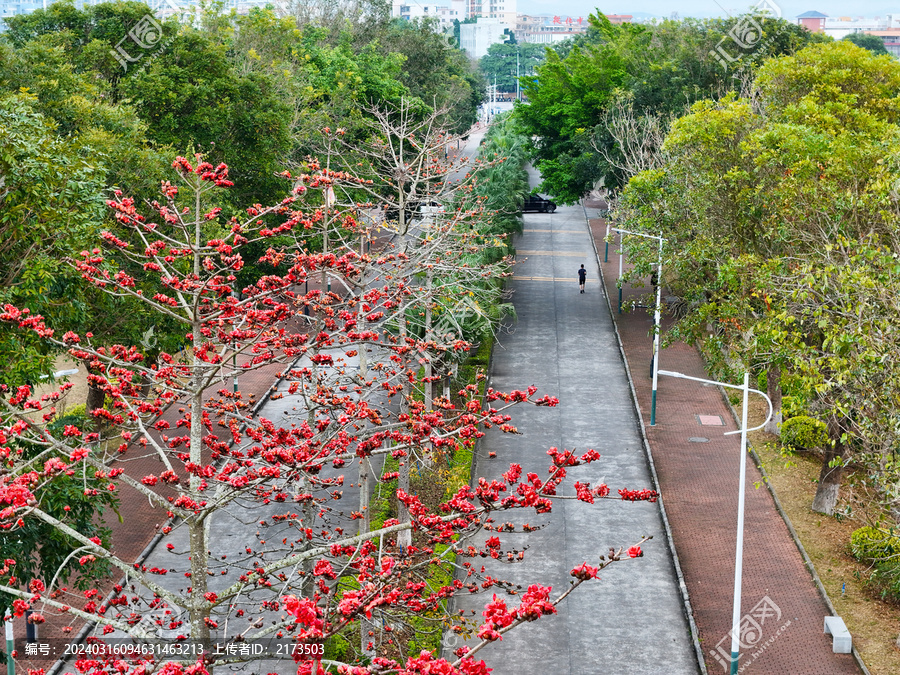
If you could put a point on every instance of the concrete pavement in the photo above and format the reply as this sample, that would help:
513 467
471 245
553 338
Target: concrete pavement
633 619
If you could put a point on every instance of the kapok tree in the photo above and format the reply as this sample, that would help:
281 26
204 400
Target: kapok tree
198 451
414 184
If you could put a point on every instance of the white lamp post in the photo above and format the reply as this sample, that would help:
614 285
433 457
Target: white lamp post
606 250
656 313
739 553
8 621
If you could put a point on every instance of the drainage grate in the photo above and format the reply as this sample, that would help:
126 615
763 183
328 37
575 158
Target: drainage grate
698 439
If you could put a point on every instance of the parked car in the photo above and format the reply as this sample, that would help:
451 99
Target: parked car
417 212
537 204
429 210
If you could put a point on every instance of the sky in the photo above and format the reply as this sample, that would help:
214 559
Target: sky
706 8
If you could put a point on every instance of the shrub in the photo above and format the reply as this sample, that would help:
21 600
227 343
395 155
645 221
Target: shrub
872 544
804 433
881 550
795 392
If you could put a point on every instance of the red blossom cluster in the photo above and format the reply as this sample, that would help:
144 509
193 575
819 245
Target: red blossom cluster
15 494
638 495
217 175
535 604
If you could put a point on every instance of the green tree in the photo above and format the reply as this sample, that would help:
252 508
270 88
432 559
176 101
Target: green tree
663 68
752 197
505 60
191 96
433 70
871 42
50 206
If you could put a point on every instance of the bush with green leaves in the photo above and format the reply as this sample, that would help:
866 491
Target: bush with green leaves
880 549
502 183
870 544
804 433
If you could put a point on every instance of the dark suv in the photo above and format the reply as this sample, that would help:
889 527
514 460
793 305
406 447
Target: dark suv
537 204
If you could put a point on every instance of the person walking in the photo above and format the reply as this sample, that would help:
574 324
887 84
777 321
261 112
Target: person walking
582 277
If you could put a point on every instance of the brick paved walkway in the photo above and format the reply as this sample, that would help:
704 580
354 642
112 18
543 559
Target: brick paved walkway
699 482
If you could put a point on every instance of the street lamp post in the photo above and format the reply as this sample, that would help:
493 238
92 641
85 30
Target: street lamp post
656 314
739 552
8 621
606 250
656 331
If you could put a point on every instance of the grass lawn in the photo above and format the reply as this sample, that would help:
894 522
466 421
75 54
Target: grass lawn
873 623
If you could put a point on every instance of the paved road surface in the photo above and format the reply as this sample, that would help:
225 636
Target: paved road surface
632 620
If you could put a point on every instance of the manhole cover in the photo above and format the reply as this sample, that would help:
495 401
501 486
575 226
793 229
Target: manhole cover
698 439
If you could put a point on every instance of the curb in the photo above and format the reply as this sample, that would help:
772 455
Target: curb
787 521
689 612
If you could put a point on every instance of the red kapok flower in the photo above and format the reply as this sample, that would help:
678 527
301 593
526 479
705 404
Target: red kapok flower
584 572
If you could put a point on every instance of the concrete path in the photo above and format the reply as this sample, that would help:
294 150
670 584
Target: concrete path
782 611
632 620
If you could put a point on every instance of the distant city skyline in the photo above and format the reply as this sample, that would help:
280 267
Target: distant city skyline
705 8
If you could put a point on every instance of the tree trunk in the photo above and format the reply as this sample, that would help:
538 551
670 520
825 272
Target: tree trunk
95 397
404 537
198 524
773 389
830 476
428 393
365 468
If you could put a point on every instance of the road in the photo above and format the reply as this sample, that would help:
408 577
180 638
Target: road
632 620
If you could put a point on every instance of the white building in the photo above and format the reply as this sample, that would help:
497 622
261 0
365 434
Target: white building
444 13
505 10
839 27
475 38
547 30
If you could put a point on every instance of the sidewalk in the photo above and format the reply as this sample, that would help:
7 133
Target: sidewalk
782 611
